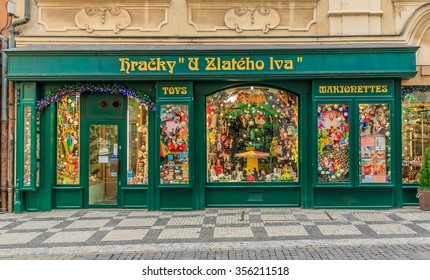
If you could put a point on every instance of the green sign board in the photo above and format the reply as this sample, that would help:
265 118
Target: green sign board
389 62
348 87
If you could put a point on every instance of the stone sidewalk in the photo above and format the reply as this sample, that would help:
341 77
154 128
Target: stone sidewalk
254 233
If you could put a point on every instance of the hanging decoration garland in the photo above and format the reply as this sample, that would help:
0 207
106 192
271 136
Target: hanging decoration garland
78 89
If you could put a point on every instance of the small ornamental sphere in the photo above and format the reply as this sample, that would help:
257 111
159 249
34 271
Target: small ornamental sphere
273 106
251 123
276 116
249 105
319 168
75 122
319 109
341 109
135 139
75 142
329 109
258 138
229 124
339 119
338 175
71 121
137 124
342 171
140 129
335 106
333 177
345 114
406 148
138 115
212 113
221 114
387 134
322 172
69 100
230 117
250 142
387 124
27 123
72 105
62 156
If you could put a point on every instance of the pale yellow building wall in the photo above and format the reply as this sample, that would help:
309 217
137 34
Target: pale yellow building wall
232 22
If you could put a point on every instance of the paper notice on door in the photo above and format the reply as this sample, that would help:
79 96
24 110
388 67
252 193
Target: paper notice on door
103 159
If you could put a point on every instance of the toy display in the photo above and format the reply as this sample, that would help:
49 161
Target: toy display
333 143
137 160
68 119
252 135
415 130
174 144
374 126
27 146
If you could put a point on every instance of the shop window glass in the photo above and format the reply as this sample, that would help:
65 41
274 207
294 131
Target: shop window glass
174 141
333 143
27 146
252 135
415 130
137 159
68 121
374 125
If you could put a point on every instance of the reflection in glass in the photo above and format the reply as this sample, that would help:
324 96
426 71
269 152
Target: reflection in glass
102 147
174 141
252 135
374 124
68 121
333 143
137 160
415 130
27 146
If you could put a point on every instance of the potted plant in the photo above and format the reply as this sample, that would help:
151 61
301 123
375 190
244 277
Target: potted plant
424 182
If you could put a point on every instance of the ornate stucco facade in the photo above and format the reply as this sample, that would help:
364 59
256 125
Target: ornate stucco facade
235 22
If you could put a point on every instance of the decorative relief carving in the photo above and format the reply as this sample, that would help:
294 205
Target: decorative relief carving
102 18
257 18
108 16
252 15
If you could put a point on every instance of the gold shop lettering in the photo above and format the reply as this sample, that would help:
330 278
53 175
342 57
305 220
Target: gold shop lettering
354 89
278 64
233 64
154 64
174 90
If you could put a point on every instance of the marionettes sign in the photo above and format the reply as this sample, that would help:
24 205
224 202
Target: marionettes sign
183 65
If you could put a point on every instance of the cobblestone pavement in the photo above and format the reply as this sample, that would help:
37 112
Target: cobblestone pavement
255 233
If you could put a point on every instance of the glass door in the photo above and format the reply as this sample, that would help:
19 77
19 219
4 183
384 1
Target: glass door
103 165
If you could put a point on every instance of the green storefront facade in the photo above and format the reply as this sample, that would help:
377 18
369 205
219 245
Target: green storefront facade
211 126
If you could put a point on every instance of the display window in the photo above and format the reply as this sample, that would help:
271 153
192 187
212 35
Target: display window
252 135
137 139
27 146
374 125
415 130
174 144
68 125
333 143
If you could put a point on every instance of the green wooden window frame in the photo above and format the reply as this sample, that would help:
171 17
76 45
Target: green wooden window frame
27 144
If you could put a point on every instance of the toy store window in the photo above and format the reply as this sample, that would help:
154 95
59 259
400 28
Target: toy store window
333 142
374 133
415 130
252 135
137 142
174 144
68 125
